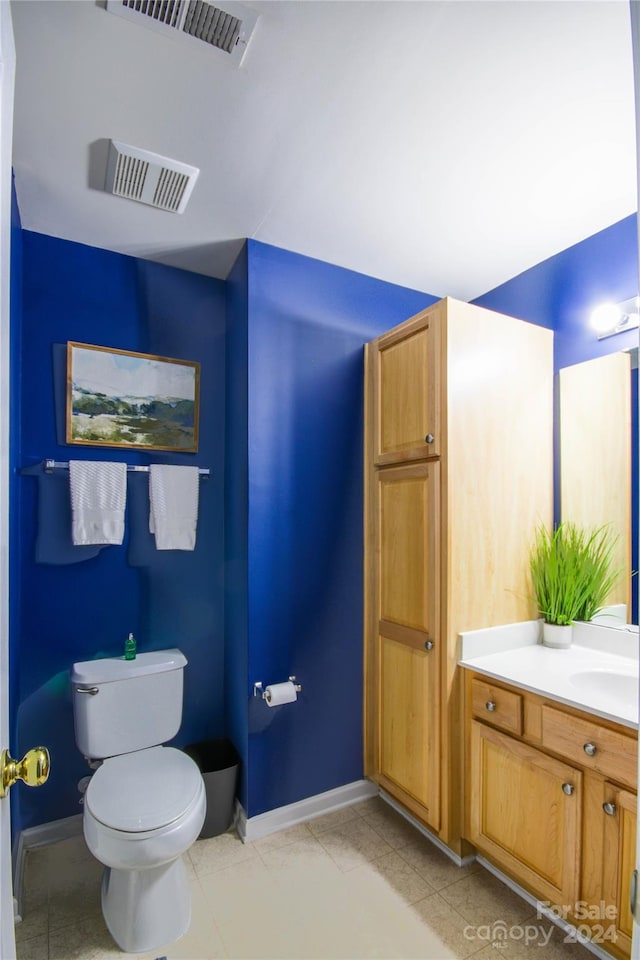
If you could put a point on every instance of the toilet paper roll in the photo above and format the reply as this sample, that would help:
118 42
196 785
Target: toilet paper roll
277 693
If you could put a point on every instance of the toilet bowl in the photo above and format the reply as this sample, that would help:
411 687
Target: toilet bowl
142 811
145 804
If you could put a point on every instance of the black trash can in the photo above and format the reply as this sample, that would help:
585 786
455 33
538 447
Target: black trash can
219 762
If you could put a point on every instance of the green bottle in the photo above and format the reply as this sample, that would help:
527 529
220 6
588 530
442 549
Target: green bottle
130 647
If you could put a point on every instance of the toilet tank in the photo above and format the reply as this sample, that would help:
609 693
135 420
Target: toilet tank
127 705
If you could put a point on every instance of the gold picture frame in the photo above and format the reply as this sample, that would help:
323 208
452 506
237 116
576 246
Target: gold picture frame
120 398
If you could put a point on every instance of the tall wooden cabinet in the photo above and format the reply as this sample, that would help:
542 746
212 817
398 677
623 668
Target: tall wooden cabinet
458 473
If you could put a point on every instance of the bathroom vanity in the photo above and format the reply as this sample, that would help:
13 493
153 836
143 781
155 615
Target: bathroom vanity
551 779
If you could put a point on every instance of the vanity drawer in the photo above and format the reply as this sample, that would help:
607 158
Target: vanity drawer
608 752
496 706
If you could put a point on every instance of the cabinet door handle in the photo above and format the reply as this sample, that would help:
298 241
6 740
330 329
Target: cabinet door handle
428 644
590 749
429 438
633 892
609 808
568 788
490 705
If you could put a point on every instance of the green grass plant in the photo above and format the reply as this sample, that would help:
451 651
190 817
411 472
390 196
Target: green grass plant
572 571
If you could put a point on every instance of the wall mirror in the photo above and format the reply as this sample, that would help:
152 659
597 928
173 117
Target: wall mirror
598 454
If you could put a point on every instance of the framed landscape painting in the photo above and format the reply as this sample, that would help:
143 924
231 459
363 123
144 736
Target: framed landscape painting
117 398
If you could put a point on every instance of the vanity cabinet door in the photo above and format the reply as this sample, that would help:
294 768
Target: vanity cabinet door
405 381
619 814
408 646
525 813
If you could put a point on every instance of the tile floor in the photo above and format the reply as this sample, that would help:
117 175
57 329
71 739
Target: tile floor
360 882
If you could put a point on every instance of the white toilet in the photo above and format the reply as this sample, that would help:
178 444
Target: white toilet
145 805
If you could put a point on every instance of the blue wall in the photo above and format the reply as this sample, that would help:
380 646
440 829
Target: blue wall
236 515
67 613
561 292
307 322
282 435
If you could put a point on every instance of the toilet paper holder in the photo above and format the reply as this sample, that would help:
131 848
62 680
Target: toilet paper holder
258 689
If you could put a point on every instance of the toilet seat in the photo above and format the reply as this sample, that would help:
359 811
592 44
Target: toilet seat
144 791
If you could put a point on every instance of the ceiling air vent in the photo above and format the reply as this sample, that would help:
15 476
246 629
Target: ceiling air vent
225 26
149 178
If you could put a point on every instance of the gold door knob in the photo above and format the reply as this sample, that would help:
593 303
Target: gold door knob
33 769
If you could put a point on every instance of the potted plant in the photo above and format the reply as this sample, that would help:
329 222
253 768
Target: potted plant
572 575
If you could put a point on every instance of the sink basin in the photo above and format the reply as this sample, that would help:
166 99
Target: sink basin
622 687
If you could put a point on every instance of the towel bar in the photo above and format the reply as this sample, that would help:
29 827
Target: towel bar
51 465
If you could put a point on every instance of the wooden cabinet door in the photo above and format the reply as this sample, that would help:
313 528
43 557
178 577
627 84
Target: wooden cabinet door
620 814
405 378
407 668
526 813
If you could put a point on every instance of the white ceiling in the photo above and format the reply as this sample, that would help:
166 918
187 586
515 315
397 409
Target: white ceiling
445 146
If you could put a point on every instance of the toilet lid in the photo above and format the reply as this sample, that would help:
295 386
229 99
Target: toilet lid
143 790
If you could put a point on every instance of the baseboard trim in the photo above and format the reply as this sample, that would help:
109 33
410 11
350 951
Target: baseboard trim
436 841
40 836
559 922
253 828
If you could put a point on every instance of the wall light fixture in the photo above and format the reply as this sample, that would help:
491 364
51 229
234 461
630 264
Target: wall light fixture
611 318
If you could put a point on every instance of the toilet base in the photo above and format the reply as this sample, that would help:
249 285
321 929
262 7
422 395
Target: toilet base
146 909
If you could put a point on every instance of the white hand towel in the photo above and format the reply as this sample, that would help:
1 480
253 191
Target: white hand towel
98 497
173 506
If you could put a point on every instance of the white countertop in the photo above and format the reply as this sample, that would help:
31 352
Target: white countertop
553 673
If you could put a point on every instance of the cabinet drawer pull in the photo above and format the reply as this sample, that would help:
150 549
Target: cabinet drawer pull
429 438
501 708
609 808
568 788
611 753
428 644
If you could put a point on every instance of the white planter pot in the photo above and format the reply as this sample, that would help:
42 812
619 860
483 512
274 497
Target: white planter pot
554 635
